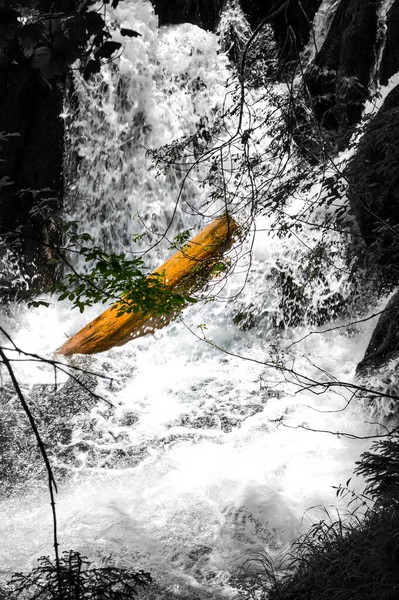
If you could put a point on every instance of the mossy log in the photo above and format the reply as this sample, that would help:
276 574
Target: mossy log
185 271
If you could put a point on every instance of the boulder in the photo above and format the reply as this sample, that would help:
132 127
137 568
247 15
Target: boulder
384 342
339 76
185 271
291 24
32 158
390 57
373 176
204 13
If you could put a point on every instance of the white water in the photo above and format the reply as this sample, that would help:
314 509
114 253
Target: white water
321 25
191 472
382 14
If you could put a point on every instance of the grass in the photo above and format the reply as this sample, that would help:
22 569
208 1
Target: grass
355 559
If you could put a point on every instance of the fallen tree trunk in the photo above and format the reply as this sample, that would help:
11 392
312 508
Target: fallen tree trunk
185 271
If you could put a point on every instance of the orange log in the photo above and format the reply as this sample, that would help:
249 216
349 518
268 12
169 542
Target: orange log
184 271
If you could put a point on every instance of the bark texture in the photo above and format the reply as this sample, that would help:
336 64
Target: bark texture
183 272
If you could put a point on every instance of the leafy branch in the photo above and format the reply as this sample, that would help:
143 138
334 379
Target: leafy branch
73 578
51 43
113 277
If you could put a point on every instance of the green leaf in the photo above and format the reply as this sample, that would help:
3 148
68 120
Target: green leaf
94 23
129 32
37 303
92 67
107 50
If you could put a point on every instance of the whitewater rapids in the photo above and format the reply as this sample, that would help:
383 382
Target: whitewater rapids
204 458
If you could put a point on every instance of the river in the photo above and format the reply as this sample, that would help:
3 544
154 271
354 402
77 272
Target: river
206 456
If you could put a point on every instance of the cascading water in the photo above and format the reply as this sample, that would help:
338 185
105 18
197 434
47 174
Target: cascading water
205 457
321 25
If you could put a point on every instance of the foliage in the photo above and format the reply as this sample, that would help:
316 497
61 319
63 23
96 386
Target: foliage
334 560
75 579
271 159
380 467
345 561
51 43
113 277
340 559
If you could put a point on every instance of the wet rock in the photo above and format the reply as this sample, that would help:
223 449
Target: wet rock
204 13
373 175
305 295
291 24
384 342
55 410
31 151
246 318
338 79
390 56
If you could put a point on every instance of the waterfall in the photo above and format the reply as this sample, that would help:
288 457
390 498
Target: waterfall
205 456
321 25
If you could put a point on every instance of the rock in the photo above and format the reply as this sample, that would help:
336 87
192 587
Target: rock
390 56
338 79
291 25
32 154
186 270
373 176
384 342
204 13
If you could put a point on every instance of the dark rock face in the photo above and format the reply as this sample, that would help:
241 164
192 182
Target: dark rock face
339 77
291 23
373 175
384 343
33 160
390 56
204 13
31 148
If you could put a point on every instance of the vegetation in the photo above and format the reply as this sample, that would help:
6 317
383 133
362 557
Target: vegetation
341 559
53 41
73 578
112 277
349 559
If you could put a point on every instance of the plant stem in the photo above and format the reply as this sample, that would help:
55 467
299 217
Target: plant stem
52 483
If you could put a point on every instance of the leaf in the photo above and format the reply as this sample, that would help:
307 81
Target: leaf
37 303
107 50
63 296
94 23
92 67
129 32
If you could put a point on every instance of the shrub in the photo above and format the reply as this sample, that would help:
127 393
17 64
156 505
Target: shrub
74 579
